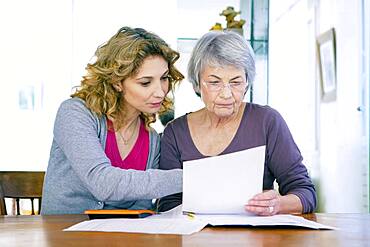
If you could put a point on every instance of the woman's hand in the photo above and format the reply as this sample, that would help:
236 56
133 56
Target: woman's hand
265 203
270 202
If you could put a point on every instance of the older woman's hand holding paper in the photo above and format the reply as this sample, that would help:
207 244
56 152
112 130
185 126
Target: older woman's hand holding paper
269 203
225 177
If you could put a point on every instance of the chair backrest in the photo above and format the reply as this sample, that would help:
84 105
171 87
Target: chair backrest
20 185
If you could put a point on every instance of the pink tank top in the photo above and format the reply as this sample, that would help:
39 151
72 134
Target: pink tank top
138 156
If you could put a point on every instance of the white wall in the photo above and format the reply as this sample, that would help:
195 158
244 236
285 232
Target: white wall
35 48
292 73
331 135
344 154
45 47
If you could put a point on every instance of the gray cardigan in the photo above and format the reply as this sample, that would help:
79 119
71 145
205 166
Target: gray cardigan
80 175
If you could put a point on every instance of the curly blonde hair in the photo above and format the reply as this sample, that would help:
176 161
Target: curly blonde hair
118 59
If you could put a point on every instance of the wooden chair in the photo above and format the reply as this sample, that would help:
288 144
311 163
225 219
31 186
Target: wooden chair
20 185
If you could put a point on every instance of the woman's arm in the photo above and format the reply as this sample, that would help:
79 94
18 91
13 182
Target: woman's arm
284 162
75 132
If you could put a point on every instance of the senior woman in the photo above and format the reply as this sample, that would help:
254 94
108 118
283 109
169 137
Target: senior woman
221 69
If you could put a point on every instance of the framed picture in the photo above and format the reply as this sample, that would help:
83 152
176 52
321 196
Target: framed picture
327 61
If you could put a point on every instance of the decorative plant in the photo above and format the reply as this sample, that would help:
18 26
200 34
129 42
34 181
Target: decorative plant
231 23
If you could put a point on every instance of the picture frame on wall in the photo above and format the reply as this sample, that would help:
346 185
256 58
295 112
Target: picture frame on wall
326 46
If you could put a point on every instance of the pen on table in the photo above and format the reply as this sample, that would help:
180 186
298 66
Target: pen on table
191 215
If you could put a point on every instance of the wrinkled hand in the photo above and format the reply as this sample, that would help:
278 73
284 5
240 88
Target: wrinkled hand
266 203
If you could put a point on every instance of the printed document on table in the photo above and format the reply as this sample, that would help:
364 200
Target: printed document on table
171 222
223 184
275 220
175 222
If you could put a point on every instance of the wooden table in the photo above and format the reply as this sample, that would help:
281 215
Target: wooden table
47 231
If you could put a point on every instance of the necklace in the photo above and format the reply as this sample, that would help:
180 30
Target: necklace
127 140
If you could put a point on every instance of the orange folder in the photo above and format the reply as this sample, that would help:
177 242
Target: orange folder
118 213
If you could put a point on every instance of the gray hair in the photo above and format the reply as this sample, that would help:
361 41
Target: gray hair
221 48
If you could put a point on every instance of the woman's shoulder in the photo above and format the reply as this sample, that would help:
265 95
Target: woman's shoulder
178 122
264 115
264 111
179 126
76 104
73 104
76 109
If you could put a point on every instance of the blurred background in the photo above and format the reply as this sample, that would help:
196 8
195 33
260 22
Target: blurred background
45 46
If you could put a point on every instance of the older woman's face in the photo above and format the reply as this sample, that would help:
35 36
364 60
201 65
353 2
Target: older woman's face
223 89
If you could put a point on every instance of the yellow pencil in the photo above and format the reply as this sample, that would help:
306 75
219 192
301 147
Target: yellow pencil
191 215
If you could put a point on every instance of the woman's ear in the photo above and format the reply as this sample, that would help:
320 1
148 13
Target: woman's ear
118 87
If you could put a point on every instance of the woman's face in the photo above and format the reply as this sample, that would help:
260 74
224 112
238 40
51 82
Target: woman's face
223 89
145 91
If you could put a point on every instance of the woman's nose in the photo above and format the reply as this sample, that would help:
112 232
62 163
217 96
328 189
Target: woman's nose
226 91
160 90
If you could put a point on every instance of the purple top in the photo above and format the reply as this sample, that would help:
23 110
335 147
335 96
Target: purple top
260 125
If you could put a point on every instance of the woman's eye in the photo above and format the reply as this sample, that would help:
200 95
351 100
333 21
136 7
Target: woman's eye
145 83
165 78
214 82
236 83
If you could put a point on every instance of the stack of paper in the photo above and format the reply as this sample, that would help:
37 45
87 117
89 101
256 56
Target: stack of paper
175 222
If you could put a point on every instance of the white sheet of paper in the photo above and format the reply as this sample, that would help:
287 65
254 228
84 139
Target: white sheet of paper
276 220
174 222
223 184
156 224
